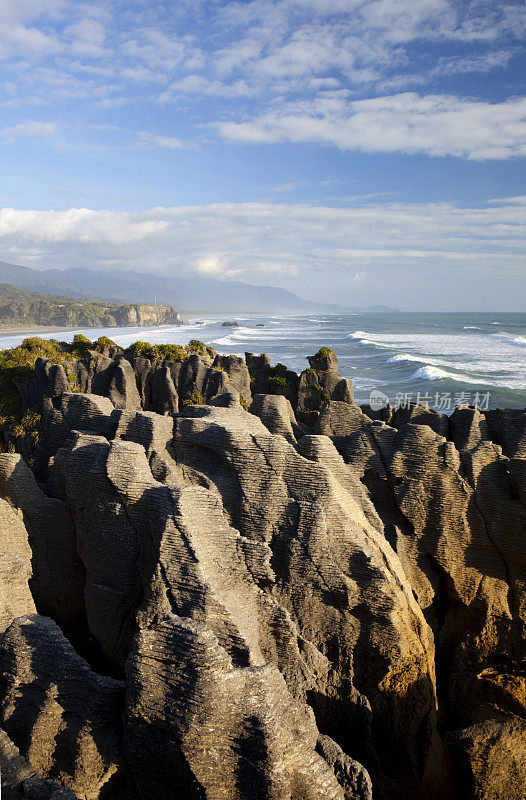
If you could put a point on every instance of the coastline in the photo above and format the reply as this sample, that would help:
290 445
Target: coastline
443 359
9 330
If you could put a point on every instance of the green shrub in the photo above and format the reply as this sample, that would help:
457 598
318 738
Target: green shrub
142 349
277 383
280 370
17 366
102 343
171 352
168 352
23 357
80 345
325 352
196 399
196 346
28 425
79 338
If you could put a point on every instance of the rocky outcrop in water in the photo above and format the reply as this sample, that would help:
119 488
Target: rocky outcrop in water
297 601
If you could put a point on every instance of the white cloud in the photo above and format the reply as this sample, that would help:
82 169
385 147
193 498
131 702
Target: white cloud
146 139
438 125
247 49
215 266
87 38
197 84
30 128
279 240
18 36
290 187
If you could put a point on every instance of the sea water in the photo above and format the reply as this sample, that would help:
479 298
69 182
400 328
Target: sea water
438 358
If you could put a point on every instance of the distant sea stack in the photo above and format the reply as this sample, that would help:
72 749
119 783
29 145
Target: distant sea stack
145 315
221 579
19 307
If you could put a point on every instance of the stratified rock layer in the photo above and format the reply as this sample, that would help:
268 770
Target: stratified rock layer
64 718
310 601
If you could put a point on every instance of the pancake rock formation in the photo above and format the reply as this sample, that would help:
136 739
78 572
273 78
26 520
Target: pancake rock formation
221 580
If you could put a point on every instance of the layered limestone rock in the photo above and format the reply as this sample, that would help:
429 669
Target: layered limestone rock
64 719
21 782
457 524
308 601
322 382
227 731
277 416
161 550
323 532
15 567
55 573
145 315
490 756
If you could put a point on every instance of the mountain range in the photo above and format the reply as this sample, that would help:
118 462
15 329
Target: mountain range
196 294
188 294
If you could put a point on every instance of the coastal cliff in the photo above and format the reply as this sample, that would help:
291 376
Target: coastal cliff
220 579
22 308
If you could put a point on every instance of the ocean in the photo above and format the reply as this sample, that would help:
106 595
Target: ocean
438 358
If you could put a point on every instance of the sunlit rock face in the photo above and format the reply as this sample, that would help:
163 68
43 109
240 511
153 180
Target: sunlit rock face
294 602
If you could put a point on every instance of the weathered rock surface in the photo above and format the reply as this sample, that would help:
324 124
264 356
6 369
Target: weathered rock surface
56 575
322 382
21 782
305 602
64 719
227 731
490 757
15 567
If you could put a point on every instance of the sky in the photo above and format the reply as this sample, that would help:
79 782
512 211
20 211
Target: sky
362 152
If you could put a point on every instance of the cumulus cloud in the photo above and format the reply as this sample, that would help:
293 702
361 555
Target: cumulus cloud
213 265
278 240
438 125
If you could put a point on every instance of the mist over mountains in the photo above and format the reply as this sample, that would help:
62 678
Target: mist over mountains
189 294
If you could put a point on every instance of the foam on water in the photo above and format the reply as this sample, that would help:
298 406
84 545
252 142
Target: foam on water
430 373
406 357
394 352
363 337
509 337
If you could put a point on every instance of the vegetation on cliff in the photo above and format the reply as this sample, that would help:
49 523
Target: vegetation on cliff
19 307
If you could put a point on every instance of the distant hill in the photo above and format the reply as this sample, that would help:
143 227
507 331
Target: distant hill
189 294
20 308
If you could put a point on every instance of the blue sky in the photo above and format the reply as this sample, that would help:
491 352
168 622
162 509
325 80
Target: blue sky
359 151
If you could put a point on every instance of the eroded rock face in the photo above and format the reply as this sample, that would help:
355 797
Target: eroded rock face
287 611
21 782
490 756
54 570
64 718
322 382
227 731
15 567
323 532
